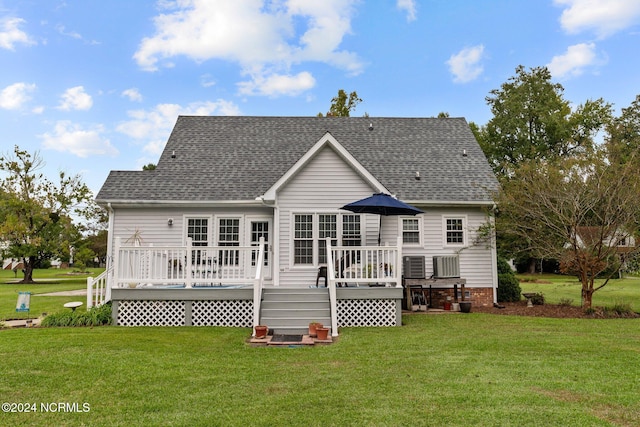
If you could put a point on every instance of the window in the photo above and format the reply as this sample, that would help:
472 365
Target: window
198 230
311 231
411 231
454 231
303 239
327 229
229 235
351 230
260 229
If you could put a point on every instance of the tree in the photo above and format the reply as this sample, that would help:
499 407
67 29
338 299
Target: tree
342 105
575 210
149 167
532 120
624 133
36 214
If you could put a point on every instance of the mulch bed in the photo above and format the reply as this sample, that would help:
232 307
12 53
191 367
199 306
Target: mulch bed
549 310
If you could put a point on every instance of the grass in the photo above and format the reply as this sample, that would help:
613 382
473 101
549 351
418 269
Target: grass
50 280
474 369
557 288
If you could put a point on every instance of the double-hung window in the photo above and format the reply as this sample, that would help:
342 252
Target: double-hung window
303 239
327 229
198 231
411 231
454 231
229 235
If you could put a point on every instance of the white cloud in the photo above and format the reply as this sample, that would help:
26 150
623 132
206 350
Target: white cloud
70 137
10 34
277 84
410 7
573 61
604 17
465 65
14 96
75 98
153 127
265 39
133 94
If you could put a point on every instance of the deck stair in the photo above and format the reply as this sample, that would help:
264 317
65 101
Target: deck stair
290 310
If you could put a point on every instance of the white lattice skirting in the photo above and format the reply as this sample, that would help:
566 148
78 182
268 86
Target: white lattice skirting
235 313
366 312
151 313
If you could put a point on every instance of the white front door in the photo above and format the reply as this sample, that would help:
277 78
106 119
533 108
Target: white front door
261 228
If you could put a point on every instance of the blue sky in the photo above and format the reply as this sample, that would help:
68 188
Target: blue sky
97 85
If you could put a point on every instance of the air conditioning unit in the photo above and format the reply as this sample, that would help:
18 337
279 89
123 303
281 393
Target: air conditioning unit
413 267
445 267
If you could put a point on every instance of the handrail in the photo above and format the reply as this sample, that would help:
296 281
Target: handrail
331 281
258 283
99 297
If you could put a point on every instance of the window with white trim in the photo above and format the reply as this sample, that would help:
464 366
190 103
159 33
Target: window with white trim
303 239
351 230
411 231
311 231
229 235
327 229
454 231
198 231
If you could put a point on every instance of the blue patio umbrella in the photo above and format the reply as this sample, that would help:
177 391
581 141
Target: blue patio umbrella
381 204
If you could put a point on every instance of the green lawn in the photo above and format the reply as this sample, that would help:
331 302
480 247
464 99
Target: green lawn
50 280
451 369
556 288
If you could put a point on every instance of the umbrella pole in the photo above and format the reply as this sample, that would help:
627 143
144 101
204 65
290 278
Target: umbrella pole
379 229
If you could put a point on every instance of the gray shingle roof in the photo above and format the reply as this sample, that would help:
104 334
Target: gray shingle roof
240 158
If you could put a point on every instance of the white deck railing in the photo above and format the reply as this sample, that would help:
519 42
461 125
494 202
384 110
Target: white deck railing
361 266
189 266
97 290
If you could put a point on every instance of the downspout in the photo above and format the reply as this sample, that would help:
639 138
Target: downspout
109 266
494 259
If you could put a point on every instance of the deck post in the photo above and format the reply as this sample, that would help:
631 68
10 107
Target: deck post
331 278
399 263
117 271
257 284
188 261
89 292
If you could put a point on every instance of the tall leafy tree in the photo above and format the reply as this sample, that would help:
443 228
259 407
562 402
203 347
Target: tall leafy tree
532 120
343 104
624 133
36 214
576 210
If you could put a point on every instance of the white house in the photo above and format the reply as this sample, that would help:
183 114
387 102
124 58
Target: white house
184 238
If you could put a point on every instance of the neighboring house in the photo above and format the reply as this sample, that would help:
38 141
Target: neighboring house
222 183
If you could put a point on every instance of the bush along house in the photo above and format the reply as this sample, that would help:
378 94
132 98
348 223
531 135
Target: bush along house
242 223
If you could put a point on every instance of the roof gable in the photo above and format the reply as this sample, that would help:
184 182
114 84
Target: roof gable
330 141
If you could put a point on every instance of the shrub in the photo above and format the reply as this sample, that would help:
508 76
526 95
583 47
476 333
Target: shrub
566 302
618 310
538 299
95 316
508 284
